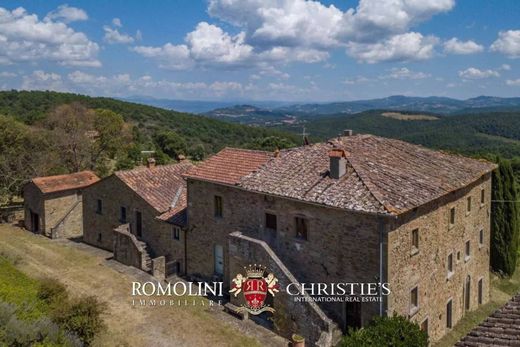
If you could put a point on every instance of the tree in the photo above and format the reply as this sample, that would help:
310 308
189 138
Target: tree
394 331
504 223
23 154
170 143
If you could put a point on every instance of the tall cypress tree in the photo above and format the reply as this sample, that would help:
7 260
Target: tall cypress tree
504 223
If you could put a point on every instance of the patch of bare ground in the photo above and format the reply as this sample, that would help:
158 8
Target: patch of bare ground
86 270
402 116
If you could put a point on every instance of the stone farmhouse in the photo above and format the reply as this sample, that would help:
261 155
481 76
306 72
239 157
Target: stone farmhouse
53 204
355 209
140 215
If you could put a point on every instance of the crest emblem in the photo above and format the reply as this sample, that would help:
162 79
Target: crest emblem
255 288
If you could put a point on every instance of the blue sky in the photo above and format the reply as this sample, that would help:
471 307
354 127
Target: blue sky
287 50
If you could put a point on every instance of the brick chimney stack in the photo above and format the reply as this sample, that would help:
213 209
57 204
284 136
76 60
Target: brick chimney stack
338 163
347 132
150 163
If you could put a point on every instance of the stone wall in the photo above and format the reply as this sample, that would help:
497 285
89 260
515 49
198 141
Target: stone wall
290 317
341 246
98 227
427 267
126 248
33 201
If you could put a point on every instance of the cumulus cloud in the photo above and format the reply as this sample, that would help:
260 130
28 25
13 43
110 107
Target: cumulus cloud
474 73
114 36
41 80
303 30
405 47
67 14
508 43
23 37
455 46
513 83
405 74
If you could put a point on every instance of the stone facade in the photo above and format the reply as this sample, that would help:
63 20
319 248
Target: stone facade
99 224
427 266
344 246
59 214
341 246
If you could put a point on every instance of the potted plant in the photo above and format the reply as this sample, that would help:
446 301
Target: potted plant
298 340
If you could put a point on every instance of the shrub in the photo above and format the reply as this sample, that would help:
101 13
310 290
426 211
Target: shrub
52 291
387 331
81 317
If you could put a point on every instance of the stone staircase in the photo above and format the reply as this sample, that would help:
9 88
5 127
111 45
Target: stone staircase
147 259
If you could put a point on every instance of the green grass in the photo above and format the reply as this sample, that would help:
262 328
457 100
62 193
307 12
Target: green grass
502 289
18 289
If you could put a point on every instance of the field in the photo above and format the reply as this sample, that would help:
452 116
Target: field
403 116
86 271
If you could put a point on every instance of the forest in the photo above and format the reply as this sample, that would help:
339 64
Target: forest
45 133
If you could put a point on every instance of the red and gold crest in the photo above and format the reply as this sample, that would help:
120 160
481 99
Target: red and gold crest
255 288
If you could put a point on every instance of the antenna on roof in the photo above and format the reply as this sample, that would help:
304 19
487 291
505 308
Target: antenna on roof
304 137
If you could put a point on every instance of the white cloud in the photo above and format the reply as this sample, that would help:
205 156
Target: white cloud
508 43
67 14
114 36
7 74
23 37
405 74
356 80
41 80
282 31
454 46
474 73
505 67
405 47
513 83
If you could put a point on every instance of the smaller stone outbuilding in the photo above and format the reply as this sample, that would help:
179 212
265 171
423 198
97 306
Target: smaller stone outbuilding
53 204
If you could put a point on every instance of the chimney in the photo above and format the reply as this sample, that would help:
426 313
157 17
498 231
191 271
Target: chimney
347 132
276 153
150 163
181 157
338 163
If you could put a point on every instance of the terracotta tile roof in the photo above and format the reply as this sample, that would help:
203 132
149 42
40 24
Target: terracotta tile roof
53 184
163 187
502 328
229 165
383 175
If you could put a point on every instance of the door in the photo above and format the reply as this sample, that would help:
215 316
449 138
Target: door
468 293
35 222
219 260
138 224
352 315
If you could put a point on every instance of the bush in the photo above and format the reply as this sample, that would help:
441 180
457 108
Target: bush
81 317
41 332
394 331
52 291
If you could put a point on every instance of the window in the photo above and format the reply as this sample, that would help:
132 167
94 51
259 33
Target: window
176 233
458 256
468 205
480 291
122 214
414 300
452 216
468 250
424 325
449 307
270 221
218 206
99 237
415 241
481 237
301 228
99 206
482 196
450 264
